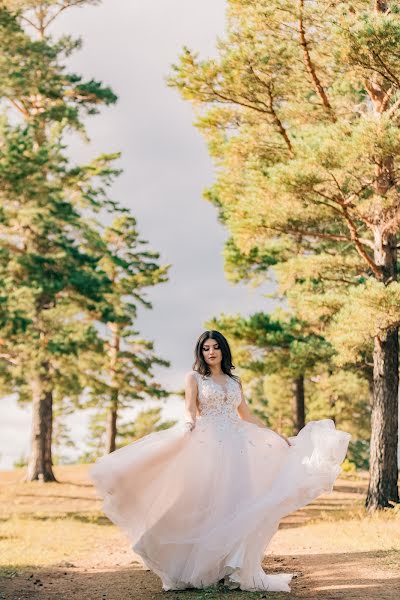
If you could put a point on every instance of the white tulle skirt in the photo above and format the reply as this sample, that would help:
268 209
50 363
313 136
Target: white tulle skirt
203 506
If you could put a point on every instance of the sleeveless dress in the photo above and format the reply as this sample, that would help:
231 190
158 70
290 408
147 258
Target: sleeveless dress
202 506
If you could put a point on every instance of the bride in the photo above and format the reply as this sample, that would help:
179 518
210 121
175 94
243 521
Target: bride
201 501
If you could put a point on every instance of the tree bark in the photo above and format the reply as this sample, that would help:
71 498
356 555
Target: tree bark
111 425
384 436
40 460
111 429
384 419
332 407
298 403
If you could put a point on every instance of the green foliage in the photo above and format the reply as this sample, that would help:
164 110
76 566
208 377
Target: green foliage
345 397
278 343
278 392
371 309
51 244
124 371
358 454
147 421
348 466
300 110
272 351
70 286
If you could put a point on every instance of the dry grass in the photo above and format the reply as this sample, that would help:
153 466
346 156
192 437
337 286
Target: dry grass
42 524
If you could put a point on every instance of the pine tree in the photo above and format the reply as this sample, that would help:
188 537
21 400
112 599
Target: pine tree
301 113
123 373
51 243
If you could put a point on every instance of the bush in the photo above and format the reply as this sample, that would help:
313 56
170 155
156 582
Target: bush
348 467
358 454
22 461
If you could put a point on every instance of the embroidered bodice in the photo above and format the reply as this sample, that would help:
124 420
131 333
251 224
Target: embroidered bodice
217 400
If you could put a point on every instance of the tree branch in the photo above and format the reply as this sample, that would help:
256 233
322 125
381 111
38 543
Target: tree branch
273 113
279 125
392 76
358 242
393 108
19 108
359 246
227 99
311 67
31 23
307 233
8 359
63 7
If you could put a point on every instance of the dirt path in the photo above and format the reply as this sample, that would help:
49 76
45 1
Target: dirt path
327 568
116 577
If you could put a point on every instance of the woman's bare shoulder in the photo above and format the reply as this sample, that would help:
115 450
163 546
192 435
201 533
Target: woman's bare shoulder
191 376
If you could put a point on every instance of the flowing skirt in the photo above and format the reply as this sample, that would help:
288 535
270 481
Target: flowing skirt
203 506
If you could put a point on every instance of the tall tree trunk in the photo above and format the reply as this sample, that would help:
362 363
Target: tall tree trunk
384 419
298 403
332 407
111 428
111 425
40 459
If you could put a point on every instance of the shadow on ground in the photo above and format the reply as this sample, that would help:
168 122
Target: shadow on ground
320 577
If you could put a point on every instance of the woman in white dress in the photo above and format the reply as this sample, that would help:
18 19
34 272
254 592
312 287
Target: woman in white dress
200 501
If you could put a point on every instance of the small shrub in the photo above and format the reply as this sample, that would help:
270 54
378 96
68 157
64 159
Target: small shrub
22 461
358 454
348 466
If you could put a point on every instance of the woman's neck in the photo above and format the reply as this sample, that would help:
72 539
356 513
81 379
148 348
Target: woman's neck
216 370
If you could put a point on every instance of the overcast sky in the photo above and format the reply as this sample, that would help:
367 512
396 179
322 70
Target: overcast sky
130 46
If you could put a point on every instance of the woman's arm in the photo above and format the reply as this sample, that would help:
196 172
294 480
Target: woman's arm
190 401
246 414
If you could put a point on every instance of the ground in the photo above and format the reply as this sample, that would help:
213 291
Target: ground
55 542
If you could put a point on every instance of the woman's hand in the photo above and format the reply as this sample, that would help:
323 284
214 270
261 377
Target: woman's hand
189 426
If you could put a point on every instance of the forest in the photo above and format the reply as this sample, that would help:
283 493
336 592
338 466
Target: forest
300 112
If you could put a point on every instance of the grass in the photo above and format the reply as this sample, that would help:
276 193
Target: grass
218 592
45 524
41 541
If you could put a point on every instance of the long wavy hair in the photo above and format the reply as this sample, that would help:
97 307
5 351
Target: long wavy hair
200 364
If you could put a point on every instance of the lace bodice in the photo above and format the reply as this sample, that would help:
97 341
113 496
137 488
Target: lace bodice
216 400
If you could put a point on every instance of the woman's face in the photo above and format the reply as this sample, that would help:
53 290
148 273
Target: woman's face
212 352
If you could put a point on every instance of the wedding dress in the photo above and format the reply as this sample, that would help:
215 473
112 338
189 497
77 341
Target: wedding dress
202 506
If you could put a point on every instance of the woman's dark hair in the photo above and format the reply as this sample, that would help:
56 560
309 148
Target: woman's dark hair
200 364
